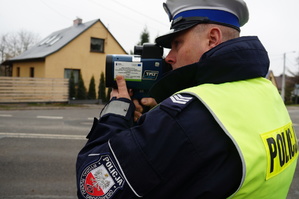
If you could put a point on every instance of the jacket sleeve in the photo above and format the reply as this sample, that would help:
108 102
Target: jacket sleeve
135 159
97 172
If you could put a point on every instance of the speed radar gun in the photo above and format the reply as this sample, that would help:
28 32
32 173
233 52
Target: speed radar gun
140 70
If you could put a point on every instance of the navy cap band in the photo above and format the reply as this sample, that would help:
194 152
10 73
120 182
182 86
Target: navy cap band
219 16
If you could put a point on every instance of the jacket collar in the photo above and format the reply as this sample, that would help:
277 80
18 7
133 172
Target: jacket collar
237 59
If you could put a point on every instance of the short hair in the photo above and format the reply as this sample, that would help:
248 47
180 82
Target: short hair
227 32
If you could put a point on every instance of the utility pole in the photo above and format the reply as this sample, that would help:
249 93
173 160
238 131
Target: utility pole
284 76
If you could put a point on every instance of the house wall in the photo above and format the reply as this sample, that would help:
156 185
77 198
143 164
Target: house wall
270 76
77 55
39 69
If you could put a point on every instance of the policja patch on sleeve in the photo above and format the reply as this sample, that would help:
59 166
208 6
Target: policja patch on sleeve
101 179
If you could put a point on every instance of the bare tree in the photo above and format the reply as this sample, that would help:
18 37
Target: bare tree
13 44
28 39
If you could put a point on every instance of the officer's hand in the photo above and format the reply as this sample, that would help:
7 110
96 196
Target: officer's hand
121 91
149 102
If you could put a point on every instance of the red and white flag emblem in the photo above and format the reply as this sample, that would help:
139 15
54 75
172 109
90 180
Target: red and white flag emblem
101 179
98 182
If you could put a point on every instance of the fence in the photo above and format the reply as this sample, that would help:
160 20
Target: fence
19 89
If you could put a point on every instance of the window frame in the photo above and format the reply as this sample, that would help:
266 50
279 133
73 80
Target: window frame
99 47
31 72
76 72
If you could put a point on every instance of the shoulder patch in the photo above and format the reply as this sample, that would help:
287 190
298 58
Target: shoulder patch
176 103
101 179
179 99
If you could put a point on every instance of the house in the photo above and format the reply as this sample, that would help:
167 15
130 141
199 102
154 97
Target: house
270 76
81 48
290 87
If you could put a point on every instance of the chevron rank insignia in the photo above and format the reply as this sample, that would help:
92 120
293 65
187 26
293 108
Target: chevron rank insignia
179 99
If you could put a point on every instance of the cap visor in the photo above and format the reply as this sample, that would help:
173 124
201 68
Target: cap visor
165 40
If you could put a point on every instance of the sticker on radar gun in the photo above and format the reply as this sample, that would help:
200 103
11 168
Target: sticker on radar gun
101 179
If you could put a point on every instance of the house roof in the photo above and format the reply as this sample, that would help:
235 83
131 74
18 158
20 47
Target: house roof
54 42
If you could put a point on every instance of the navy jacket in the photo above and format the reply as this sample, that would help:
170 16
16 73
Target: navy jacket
177 150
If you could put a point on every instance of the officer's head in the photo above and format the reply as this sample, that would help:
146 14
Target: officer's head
199 25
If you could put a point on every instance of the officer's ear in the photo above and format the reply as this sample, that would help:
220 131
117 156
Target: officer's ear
215 37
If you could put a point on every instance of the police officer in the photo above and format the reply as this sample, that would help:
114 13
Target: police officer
220 129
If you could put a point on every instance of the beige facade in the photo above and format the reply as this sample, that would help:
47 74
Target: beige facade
23 69
76 55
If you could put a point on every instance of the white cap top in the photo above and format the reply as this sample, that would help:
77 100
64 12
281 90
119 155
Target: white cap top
185 14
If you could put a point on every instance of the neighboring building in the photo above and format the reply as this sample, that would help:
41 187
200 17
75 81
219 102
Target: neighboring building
289 82
81 48
290 87
270 76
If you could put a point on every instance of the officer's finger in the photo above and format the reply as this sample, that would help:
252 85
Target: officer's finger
148 101
138 106
137 115
122 87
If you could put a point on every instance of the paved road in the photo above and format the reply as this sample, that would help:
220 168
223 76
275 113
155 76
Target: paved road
38 151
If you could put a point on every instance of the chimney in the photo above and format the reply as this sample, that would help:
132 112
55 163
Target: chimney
77 21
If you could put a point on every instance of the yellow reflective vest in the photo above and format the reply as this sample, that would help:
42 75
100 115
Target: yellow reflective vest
254 116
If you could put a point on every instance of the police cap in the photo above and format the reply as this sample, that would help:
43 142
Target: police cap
185 14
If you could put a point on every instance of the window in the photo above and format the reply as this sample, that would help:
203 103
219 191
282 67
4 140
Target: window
31 72
97 45
68 72
50 40
18 71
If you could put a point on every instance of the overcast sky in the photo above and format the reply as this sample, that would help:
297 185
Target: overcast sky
275 22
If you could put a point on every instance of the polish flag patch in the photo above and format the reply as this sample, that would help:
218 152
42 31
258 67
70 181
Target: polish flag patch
101 179
98 182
